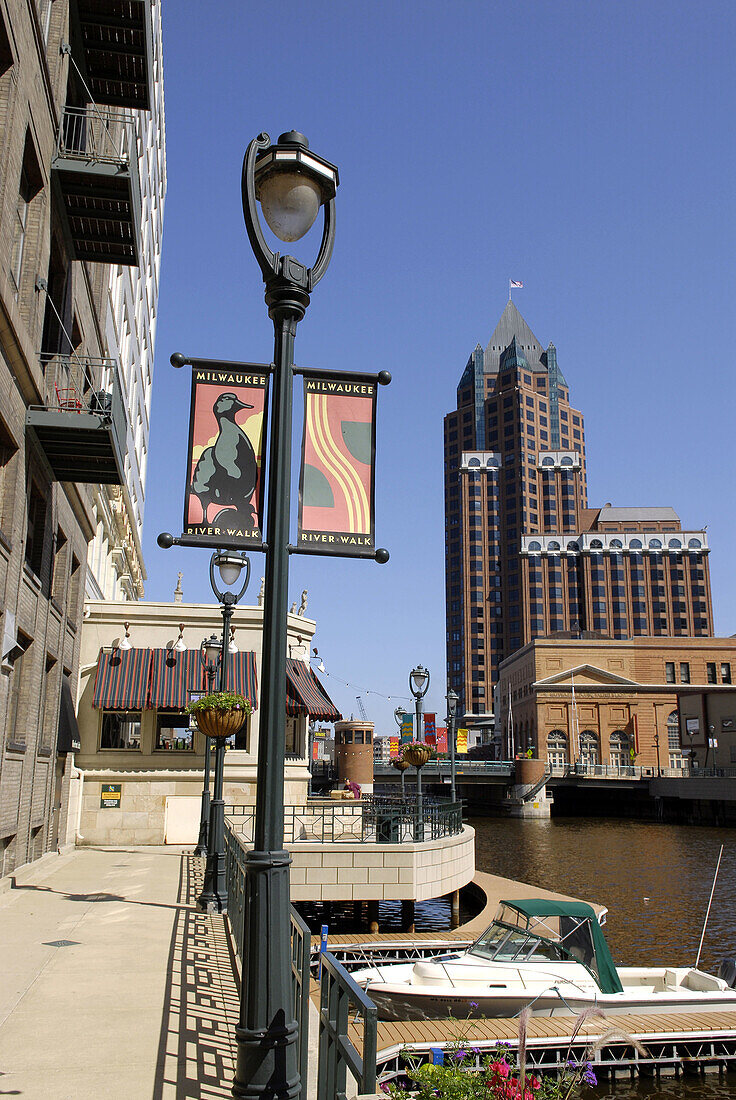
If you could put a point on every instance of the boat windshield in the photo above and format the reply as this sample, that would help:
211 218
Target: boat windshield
516 936
503 943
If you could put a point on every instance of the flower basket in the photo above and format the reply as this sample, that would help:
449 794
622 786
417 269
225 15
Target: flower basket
220 714
400 764
416 755
220 723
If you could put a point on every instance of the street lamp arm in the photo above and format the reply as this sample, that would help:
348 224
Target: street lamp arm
326 246
268 260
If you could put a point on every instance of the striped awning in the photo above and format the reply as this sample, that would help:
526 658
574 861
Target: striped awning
123 679
305 694
163 679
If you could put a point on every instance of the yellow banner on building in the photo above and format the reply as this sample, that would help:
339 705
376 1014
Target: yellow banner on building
462 742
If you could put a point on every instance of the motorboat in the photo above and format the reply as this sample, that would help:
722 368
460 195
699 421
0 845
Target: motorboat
550 955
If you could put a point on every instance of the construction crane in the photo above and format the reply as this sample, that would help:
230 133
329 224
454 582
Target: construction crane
363 714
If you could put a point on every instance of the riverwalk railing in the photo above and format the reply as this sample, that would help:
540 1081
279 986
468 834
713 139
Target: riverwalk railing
342 1004
378 820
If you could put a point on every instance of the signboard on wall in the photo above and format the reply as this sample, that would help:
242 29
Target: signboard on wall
110 796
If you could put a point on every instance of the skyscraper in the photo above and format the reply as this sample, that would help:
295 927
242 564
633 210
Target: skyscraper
525 556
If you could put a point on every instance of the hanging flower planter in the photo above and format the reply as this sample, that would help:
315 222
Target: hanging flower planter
416 754
399 763
221 714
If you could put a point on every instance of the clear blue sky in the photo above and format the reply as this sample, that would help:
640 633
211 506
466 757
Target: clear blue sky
585 148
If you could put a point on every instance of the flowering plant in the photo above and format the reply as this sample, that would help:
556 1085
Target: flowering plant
469 1073
220 700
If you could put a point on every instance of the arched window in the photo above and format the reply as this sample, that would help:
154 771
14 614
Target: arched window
573 546
635 544
695 543
548 461
588 749
620 743
492 461
674 749
474 462
655 543
675 544
535 545
616 544
557 749
566 461
596 544
553 545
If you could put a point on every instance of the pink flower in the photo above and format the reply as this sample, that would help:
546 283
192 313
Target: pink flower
499 1069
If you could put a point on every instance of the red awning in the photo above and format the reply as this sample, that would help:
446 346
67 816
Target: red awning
305 694
123 679
163 679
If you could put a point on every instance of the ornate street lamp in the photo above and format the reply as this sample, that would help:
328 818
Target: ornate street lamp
209 655
291 183
229 565
419 686
452 698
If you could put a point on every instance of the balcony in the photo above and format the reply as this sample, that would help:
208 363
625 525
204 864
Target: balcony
80 428
96 185
112 45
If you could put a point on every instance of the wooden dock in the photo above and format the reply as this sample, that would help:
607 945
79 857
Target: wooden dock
675 1043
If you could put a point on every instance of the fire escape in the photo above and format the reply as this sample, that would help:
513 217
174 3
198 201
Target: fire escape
81 426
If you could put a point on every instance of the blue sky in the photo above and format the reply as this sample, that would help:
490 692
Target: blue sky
585 148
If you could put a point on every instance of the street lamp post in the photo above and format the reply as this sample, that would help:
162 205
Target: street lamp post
452 701
419 686
399 719
213 898
209 654
291 183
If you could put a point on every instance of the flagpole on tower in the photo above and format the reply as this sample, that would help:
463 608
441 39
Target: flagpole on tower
514 284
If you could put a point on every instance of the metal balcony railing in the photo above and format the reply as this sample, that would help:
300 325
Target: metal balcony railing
78 383
96 135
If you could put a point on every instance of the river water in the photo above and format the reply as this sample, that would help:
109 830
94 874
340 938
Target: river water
654 879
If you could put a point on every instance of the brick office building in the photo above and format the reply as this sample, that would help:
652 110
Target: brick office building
74 79
524 554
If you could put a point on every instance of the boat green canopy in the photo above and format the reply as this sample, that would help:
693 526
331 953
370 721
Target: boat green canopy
567 911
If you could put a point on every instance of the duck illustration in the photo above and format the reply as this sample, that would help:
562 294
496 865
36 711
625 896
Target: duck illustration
226 472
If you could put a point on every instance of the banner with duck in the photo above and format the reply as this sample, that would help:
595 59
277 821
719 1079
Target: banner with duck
337 482
227 441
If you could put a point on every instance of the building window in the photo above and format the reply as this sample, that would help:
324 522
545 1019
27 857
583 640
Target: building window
725 673
15 724
710 672
173 731
557 749
28 187
35 528
669 672
684 672
121 729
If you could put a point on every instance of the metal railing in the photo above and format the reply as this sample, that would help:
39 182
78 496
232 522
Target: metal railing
442 767
97 135
78 383
627 771
376 820
235 855
343 1003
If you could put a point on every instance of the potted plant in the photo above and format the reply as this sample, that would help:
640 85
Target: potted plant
416 753
220 714
399 763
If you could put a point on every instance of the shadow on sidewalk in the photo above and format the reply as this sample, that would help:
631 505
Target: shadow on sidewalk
196 1055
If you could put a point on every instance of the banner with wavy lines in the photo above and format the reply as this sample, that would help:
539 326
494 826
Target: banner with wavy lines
336 487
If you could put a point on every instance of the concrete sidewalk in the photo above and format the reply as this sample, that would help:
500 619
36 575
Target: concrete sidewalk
111 983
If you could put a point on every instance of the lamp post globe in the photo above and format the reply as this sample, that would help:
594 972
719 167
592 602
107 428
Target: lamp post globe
291 183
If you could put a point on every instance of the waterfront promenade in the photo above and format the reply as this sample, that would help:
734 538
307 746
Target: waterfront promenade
113 984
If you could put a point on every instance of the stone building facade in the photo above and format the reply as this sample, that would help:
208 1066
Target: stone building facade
69 212
136 738
598 701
